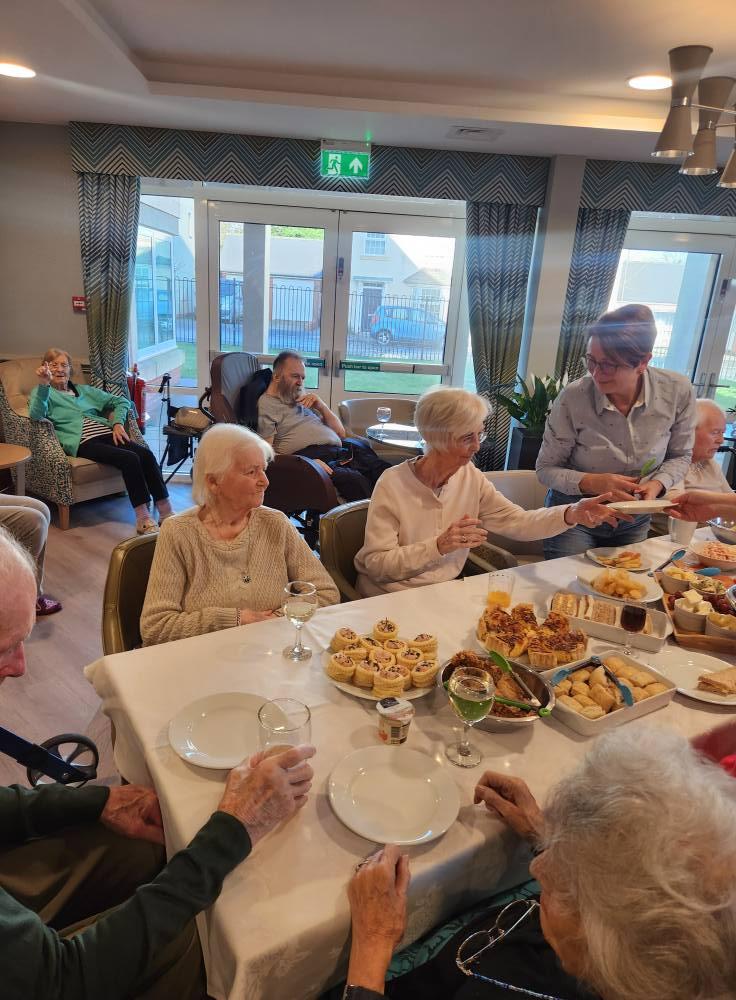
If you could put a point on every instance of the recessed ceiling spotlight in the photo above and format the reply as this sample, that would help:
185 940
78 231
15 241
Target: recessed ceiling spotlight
650 81
13 69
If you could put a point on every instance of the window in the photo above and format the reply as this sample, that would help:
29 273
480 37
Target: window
432 301
374 245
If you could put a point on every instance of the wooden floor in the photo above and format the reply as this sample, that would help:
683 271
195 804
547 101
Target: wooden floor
53 697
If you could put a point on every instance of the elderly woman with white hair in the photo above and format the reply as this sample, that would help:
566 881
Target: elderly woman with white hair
426 514
226 561
636 861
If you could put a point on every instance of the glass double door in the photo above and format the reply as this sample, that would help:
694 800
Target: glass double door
370 300
689 282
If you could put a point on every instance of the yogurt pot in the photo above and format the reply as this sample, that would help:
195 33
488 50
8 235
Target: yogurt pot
394 719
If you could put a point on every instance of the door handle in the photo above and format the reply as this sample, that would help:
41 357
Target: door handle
335 364
340 268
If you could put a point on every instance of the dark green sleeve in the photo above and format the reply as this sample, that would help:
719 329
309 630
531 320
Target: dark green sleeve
109 957
27 813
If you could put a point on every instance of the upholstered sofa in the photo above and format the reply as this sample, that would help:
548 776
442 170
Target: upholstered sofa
50 474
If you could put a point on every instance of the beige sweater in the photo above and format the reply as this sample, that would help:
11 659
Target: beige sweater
198 583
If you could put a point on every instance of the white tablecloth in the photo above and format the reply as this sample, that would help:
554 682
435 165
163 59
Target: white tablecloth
281 926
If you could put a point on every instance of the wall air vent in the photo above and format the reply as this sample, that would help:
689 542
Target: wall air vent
474 133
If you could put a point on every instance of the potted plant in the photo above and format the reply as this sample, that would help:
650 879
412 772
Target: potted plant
529 406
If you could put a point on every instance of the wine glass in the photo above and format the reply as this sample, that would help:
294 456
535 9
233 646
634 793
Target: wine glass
300 603
472 692
283 723
633 619
383 415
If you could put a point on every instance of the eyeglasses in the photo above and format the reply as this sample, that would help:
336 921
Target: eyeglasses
467 439
604 367
475 945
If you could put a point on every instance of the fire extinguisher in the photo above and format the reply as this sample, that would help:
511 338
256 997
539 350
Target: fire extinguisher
137 392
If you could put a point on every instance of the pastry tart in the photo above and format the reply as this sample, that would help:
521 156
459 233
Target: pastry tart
365 673
410 657
395 646
424 673
340 667
382 657
385 629
342 638
388 681
355 650
425 642
369 643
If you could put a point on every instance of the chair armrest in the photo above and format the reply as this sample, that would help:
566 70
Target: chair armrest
297 483
347 590
48 473
488 558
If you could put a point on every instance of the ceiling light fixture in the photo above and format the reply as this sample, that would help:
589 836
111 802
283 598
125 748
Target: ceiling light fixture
687 63
650 81
14 69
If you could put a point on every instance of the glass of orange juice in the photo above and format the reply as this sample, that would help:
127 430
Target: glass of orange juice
500 588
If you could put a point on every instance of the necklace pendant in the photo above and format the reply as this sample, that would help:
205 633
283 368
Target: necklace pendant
246 578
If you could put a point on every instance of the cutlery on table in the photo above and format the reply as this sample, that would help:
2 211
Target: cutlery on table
677 554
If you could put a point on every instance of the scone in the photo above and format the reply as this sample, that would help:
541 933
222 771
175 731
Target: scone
341 668
342 638
424 673
385 629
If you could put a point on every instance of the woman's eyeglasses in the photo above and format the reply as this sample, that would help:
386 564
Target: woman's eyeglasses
606 368
475 945
467 439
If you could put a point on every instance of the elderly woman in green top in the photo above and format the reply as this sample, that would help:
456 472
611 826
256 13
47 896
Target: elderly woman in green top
89 423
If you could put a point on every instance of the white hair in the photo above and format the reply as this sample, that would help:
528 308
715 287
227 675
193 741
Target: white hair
702 407
16 563
443 414
640 845
216 451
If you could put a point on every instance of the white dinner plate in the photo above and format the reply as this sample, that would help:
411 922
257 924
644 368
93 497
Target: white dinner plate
640 506
393 795
595 556
684 666
218 731
366 693
652 590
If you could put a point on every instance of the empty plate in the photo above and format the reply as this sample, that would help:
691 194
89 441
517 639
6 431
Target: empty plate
218 731
640 506
393 795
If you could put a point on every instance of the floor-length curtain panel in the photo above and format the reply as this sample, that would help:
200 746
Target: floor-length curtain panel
500 240
108 211
599 239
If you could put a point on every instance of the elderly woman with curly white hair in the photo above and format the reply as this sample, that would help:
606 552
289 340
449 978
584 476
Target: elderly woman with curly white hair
226 561
426 514
636 861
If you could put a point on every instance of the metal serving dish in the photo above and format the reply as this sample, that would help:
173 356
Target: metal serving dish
723 529
496 724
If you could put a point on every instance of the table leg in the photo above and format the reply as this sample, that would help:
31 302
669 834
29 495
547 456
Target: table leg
20 479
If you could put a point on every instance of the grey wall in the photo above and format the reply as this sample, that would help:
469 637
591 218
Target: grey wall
40 267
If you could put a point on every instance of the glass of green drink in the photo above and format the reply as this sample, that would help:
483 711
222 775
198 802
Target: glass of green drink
471 692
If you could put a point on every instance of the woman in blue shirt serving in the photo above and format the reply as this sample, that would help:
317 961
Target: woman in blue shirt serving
607 427
90 423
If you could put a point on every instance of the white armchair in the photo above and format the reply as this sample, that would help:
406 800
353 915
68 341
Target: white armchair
522 487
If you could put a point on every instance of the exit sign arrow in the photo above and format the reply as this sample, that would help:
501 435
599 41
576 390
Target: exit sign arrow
340 158
356 166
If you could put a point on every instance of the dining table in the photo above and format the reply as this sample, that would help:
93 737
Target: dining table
281 927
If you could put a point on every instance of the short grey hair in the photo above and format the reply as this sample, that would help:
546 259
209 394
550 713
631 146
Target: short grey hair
702 407
15 563
640 846
215 454
443 414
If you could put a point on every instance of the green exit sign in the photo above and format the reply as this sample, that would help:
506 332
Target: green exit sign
342 162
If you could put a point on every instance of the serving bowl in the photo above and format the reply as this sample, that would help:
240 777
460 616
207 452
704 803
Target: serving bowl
726 565
724 530
498 724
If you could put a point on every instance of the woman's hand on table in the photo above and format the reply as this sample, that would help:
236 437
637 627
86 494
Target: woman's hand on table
593 511
463 534
133 811
265 790
43 374
620 487
119 434
377 895
248 616
510 799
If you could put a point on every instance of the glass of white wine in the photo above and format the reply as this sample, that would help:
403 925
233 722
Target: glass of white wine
472 692
383 415
300 603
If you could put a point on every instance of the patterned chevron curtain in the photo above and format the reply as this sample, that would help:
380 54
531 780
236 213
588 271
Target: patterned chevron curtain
500 239
599 239
108 212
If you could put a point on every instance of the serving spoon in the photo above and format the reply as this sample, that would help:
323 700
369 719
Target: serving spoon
706 571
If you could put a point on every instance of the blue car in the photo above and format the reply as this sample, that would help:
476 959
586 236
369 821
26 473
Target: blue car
389 323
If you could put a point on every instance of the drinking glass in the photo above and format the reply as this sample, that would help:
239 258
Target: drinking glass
500 588
383 415
681 532
283 723
472 692
633 619
300 603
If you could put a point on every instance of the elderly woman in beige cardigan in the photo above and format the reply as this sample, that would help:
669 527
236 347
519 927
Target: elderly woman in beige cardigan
226 561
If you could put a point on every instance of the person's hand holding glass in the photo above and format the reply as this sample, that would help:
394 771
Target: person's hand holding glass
300 603
383 415
472 692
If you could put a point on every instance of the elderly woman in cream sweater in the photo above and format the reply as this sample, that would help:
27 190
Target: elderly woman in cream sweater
226 561
426 514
